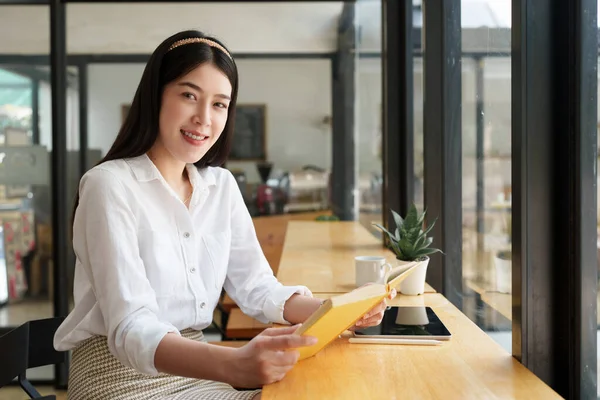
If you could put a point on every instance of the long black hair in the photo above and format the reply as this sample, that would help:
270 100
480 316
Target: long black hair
141 126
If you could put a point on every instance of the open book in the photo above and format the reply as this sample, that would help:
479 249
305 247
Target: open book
341 312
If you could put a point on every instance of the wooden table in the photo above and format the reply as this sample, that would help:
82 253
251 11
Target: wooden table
469 366
320 255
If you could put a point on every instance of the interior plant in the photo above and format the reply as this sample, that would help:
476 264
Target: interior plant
410 241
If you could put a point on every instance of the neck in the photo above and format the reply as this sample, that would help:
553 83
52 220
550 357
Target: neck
173 171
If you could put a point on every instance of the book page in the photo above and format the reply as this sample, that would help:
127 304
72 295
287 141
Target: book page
400 273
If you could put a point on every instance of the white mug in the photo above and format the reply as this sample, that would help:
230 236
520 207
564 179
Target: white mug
370 269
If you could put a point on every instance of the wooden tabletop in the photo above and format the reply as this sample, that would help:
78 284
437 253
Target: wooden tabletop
320 255
469 366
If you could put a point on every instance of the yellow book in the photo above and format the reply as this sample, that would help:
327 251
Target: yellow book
339 313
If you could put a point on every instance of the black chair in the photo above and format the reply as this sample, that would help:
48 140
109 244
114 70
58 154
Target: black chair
29 346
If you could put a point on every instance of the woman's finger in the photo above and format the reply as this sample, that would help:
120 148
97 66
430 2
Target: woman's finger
285 342
285 358
376 310
371 321
286 330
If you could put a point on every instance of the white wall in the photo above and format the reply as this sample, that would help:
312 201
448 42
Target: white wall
109 87
297 94
298 97
140 27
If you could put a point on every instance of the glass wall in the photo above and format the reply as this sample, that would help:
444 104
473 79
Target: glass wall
283 144
26 248
25 135
418 104
282 152
368 114
486 164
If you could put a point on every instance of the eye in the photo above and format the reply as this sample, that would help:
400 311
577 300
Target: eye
189 95
221 105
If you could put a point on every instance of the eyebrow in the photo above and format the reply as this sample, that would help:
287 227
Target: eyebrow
198 88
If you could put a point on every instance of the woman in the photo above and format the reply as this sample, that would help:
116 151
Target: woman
159 230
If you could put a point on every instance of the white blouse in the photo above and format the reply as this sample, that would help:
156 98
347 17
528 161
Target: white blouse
147 265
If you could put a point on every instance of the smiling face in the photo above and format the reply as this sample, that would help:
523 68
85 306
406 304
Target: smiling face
193 114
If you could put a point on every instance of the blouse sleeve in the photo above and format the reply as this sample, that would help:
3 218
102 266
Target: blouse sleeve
105 241
250 281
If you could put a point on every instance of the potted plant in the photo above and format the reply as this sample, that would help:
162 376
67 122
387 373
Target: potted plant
410 242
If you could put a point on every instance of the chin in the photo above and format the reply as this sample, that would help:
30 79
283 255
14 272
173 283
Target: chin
189 154
192 157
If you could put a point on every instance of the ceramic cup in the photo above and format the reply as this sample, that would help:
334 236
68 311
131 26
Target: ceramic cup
370 269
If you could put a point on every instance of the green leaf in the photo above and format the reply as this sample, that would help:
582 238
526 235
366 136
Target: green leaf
396 248
421 218
403 257
384 230
427 243
427 251
430 227
420 241
407 248
398 219
411 217
413 234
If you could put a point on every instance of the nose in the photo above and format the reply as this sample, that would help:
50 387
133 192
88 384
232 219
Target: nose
202 116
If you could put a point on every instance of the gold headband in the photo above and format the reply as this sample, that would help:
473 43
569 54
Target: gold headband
209 42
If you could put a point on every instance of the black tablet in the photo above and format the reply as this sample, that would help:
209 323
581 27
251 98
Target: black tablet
407 323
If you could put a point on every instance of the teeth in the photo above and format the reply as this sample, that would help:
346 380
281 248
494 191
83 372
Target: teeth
191 135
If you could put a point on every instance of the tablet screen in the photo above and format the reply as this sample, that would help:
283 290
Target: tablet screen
408 322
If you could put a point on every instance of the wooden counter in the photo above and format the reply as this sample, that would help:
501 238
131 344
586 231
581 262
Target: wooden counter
471 365
320 255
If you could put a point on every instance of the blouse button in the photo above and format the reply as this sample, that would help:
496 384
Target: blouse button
202 305
186 235
192 270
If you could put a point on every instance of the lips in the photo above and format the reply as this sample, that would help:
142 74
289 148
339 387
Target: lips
194 135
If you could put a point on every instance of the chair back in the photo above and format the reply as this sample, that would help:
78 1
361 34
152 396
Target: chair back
14 347
41 343
30 345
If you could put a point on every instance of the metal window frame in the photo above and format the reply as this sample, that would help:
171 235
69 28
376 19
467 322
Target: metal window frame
442 147
554 146
82 69
479 149
35 111
58 172
398 104
344 201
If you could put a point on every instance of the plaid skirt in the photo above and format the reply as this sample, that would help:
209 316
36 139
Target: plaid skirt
95 374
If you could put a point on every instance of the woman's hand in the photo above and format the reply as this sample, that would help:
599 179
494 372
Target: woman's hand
267 357
373 317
